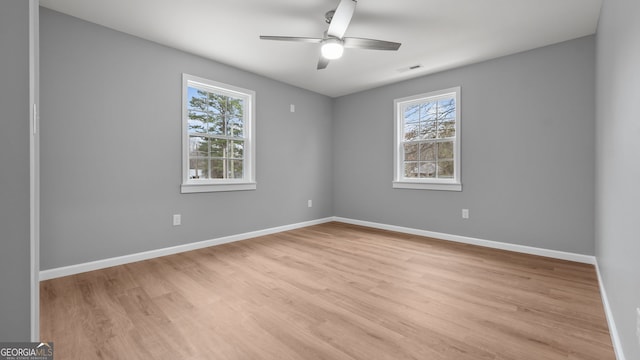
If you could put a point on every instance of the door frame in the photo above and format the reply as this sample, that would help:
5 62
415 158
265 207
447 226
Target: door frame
34 167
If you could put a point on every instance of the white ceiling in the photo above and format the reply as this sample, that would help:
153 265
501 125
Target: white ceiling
435 34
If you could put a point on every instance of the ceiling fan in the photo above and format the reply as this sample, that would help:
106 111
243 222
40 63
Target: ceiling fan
333 42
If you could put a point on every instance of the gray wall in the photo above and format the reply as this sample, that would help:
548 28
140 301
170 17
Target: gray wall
618 164
15 268
111 148
527 152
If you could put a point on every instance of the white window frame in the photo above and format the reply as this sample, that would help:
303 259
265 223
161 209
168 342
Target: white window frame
399 181
248 182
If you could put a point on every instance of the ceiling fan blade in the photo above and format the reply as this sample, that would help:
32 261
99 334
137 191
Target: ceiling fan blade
372 44
341 18
322 63
292 38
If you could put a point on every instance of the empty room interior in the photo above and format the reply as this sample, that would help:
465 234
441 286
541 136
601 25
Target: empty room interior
322 179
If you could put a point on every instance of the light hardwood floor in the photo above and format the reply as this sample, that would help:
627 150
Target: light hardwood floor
331 291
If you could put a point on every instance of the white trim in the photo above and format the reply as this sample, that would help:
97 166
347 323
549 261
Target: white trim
197 188
587 259
120 260
613 330
248 182
427 186
34 172
126 259
399 181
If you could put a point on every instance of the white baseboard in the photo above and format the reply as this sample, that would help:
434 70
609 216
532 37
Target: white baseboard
120 260
126 259
613 330
587 259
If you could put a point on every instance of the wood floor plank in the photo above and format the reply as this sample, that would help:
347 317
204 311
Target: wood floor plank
331 291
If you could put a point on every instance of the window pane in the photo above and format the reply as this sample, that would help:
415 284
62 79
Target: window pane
234 117
217 109
198 168
428 151
216 102
235 169
445 150
411 169
197 147
447 128
217 168
214 108
198 121
237 149
446 109
218 148
238 106
410 152
428 129
411 131
216 125
445 169
225 107
411 122
197 100
427 169
235 127
428 111
412 113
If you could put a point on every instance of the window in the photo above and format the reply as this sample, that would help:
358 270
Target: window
218 138
427 141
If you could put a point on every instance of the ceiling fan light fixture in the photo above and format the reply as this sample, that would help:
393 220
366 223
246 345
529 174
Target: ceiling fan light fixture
332 49
333 42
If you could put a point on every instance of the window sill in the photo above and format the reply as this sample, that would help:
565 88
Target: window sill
427 186
198 188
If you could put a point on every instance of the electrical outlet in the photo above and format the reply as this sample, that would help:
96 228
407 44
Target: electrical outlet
292 108
309 203
177 219
465 213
